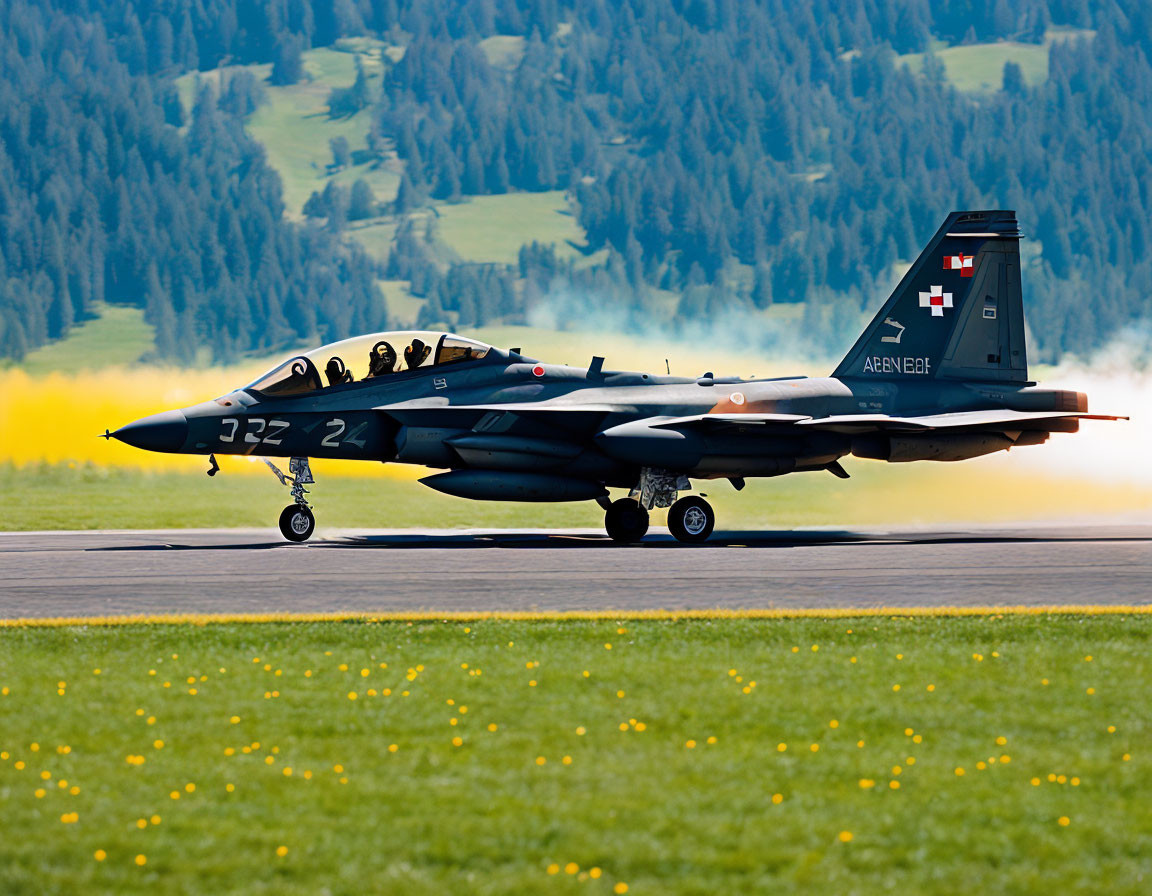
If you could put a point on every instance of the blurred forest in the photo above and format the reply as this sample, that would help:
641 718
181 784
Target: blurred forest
734 155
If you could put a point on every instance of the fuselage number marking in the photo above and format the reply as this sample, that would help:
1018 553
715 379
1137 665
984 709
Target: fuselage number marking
257 435
332 440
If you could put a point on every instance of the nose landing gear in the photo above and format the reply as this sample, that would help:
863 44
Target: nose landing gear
297 522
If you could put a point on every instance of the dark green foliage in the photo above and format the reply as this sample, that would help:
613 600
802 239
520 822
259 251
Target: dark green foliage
102 199
743 153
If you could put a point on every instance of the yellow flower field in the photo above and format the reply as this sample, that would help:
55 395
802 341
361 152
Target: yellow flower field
660 754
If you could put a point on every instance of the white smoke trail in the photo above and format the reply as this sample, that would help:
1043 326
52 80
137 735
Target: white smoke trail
1117 380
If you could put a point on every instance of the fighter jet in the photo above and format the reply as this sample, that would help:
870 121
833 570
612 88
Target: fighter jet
940 374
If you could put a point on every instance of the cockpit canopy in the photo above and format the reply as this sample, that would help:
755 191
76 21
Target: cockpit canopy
377 355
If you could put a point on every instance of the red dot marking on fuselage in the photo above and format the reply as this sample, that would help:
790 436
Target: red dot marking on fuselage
538 370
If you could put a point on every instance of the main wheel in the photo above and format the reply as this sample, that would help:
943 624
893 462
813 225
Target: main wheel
297 522
691 519
626 521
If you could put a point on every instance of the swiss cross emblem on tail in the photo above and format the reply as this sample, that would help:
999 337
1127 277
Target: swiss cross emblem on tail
961 263
936 299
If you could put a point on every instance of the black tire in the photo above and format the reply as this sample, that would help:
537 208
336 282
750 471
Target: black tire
691 520
297 523
626 521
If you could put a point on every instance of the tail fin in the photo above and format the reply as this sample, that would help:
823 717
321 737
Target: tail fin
957 314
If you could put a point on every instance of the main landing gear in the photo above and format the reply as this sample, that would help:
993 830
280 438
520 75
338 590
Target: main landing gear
690 519
626 521
297 522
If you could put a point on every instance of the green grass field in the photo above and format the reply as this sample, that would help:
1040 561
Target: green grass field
979 68
85 496
922 755
119 335
493 228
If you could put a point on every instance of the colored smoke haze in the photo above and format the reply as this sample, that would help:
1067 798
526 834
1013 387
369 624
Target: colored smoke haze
57 418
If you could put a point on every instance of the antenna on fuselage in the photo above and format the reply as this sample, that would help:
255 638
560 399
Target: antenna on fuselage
667 367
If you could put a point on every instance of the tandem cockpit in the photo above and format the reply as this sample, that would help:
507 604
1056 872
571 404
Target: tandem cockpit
372 357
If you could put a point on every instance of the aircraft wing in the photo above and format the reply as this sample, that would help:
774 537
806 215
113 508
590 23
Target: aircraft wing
857 423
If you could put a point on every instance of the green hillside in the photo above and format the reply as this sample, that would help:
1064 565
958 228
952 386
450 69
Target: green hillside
979 68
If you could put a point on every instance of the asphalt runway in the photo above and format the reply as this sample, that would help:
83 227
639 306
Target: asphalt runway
64 574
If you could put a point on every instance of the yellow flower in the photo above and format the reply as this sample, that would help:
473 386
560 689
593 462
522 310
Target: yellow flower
594 873
1001 740
690 744
959 772
1035 782
287 771
867 783
235 720
553 868
571 868
190 787
230 787
607 646
141 823
158 744
155 819
895 687
623 726
620 888
175 794
916 739
141 859
781 747
895 785
620 694
281 851
845 836
712 738
40 793
351 695
457 741
99 855
834 724
815 748
540 760
777 798
1063 821
908 732
931 688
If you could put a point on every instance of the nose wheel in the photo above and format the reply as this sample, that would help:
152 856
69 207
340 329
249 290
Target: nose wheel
691 520
626 521
297 522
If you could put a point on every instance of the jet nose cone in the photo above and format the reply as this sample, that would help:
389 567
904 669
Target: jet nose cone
160 432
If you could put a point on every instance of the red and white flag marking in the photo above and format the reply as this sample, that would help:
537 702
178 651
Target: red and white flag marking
936 299
961 263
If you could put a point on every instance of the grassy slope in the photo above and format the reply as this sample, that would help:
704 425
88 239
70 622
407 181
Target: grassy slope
979 68
119 335
1009 705
493 228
